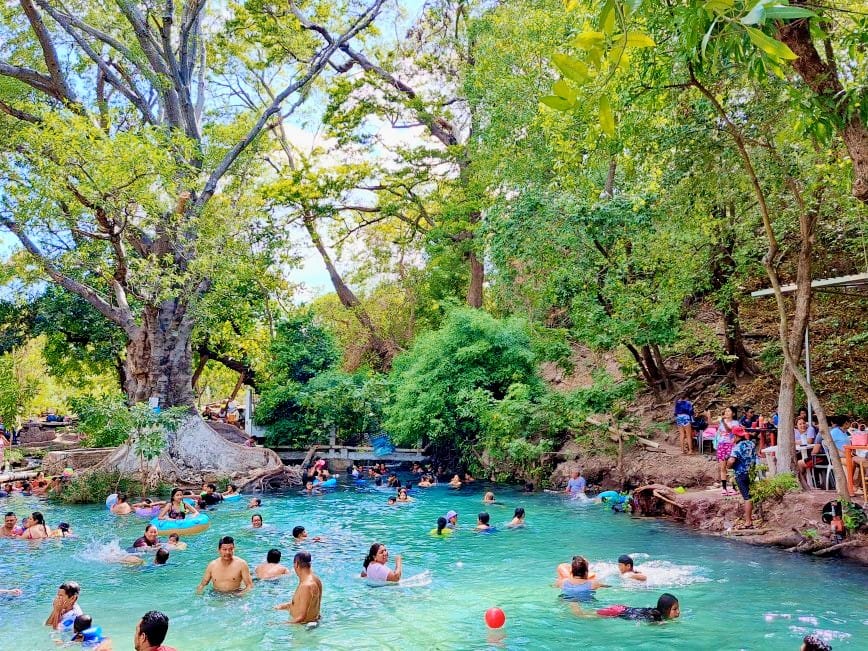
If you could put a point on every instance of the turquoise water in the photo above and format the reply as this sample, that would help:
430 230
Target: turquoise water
732 596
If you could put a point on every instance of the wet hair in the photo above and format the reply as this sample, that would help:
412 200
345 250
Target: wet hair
302 559
9 514
626 560
484 517
273 556
63 526
71 588
232 486
154 626
441 525
150 526
579 567
665 604
173 536
372 554
257 501
392 500
297 531
519 512
122 498
161 556
226 540
82 623
38 518
814 643
213 487
174 492
256 515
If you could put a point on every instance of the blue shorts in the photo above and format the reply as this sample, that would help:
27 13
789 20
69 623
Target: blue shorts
743 483
683 420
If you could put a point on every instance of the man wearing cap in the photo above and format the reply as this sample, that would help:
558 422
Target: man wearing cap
452 520
742 457
625 567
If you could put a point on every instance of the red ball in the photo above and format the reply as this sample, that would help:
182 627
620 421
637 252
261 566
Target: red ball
495 617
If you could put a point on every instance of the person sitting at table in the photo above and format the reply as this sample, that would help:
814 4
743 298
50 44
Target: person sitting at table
803 429
840 438
749 419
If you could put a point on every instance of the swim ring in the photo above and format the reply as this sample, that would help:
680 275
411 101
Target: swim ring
190 501
111 500
232 498
184 527
148 512
331 482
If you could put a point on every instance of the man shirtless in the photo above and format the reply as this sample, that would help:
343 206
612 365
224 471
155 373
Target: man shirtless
271 568
305 604
122 506
227 572
8 528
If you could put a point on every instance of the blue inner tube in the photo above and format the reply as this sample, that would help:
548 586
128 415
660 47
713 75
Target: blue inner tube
613 497
232 498
180 525
328 483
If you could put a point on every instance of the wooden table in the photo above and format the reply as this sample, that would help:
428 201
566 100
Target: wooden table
848 457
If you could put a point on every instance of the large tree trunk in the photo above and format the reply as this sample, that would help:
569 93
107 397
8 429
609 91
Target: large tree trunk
159 363
477 280
822 77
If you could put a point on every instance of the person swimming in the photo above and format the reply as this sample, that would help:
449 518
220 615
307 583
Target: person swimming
579 583
667 608
442 528
517 518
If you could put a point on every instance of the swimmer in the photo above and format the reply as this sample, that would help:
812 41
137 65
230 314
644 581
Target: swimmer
65 607
452 519
517 518
305 605
9 529
489 498
579 577
175 544
149 539
392 501
210 496
148 503
442 528
254 503
88 638
231 489
176 508
482 522
402 496
62 531
625 567
427 481
455 482
151 631
271 568
468 478
667 608
11 592
122 506
256 521
36 528
813 643
227 573
300 535
162 556
375 567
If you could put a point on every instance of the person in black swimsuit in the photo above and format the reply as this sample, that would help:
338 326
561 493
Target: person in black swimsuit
667 608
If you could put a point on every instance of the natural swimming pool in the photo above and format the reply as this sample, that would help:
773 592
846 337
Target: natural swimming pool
733 596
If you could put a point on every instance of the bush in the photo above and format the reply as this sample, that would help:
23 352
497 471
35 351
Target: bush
95 486
104 420
774 488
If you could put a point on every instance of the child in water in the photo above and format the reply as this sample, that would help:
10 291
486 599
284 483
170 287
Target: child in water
667 608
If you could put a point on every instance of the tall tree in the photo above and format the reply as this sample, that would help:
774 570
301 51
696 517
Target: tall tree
113 164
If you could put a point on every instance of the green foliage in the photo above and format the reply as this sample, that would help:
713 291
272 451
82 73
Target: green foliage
854 517
773 488
105 421
93 487
18 387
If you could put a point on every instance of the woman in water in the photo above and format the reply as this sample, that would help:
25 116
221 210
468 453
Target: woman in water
725 440
37 529
517 518
442 529
149 539
579 583
375 567
402 495
667 608
489 498
62 531
177 508
231 489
